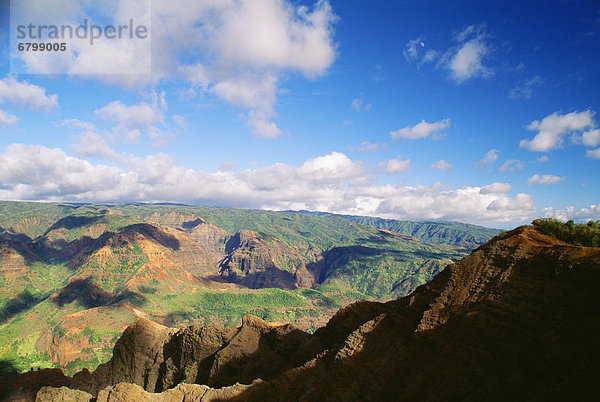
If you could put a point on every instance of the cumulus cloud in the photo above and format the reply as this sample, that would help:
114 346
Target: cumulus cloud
510 165
420 130
332 183
466 60
591 138
131 121
441 165
95 145
490 157
584 214
7 118
24 94
546 179
237 50
439 203
552 129
397 166
496 188
543 159
126 60
593 153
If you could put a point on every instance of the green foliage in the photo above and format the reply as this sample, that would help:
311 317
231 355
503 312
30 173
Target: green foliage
59 331
581 234
451 233
362 262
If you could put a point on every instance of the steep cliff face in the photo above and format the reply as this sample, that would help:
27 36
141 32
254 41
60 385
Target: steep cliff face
516 320
260 261
158 358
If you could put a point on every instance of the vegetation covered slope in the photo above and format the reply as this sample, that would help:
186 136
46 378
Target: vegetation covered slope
582 234
515 320
453 233
73 276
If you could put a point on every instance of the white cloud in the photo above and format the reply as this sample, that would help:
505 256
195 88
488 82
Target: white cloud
24 94
593 153
420 130
591 138
440 203
332 183
490 157
7 118
397 166
552 129
546 180
93 144
525 89
582 214
237 50
441 165
465 61
124 60
543 159
510 165
334 166
132 120
496 188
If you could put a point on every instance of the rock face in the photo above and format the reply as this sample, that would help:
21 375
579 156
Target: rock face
516 320
257 263
158 358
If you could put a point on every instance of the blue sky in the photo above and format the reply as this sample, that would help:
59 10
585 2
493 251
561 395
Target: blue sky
471 111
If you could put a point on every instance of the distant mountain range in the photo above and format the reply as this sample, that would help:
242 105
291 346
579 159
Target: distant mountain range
515 320
439 232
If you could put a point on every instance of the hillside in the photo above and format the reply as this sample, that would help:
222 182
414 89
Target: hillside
73 276
452 233
514 320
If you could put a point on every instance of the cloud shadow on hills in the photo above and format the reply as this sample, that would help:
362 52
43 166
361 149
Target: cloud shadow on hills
22 302
84 247
90 295
87 293
336 257
74 222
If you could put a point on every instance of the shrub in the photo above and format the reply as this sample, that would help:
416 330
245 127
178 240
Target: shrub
581 234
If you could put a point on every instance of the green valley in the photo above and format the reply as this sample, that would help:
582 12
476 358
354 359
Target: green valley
73 276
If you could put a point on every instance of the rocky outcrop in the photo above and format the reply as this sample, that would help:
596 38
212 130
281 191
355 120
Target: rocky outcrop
64 394
516 320
158 358
132 392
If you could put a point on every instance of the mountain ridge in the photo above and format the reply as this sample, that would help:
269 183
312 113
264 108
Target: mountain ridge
74 276
516 319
